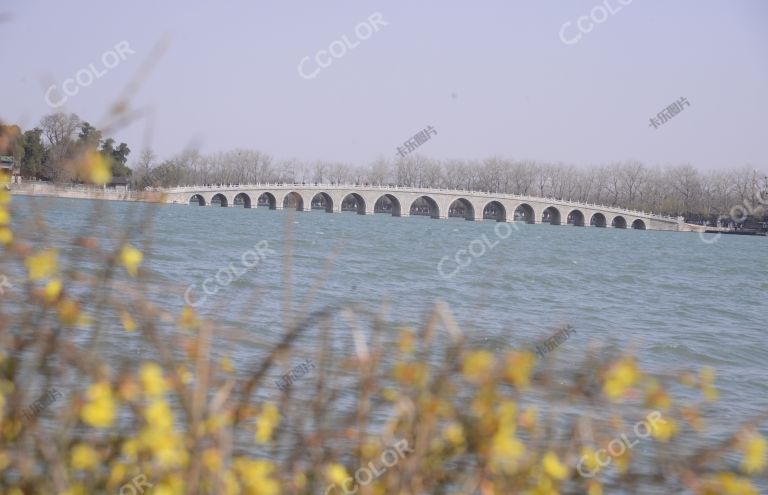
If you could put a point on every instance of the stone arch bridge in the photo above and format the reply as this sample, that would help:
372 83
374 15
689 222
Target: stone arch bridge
406 201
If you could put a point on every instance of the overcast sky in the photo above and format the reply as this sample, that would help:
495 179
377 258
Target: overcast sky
491 77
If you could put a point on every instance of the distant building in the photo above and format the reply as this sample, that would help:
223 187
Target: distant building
6 163
119 183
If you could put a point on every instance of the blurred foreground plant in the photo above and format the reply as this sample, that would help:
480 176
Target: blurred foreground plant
431 415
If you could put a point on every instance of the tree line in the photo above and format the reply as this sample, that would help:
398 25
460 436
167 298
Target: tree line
47 151
44 152
671 190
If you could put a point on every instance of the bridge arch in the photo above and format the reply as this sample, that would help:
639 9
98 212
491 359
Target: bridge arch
266 199
619 222
525 213
322 201
387 203
242 199
575 217
495 210
353 202
551 215
423 206
219 199
197 199
638 224
598 220
294 200
461 207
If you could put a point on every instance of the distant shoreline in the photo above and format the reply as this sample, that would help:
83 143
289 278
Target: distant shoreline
81 192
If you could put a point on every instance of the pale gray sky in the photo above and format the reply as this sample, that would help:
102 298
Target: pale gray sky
492 77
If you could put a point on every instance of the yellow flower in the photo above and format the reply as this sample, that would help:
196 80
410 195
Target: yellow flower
529 418
257 476
519 367
84 457
75 488
188 318
729 484
336 473
52 290
5 217
754 446
6 236
5 197
454 433
212 460
656 397
622 375
131 258
151 375
226 365
553 467
663 430
267 422
159 415
42 265
707 377
478 365
100 410
69 311
407 341
96 168
128 322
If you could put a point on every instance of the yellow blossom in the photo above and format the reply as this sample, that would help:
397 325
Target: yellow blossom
128 322
131 259
553 467
257 476
754 446
454 433
226 365
506 451
42 265
52 290
100 409
6 235
529 418
159 415
5 217
188 318
519 367
407 341
151 376
84 457
707 377
96 168
267 422
622 375
69 311
663 430
336 473
5 197
478 365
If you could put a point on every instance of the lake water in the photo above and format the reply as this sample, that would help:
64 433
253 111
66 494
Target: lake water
676 301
